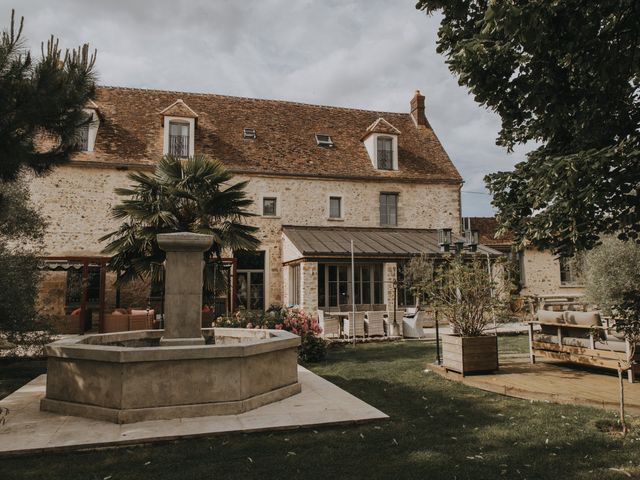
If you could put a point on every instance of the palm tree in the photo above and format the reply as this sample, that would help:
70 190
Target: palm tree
192 195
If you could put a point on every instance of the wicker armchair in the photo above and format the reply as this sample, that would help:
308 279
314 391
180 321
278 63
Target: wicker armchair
330 325
375 323
358 319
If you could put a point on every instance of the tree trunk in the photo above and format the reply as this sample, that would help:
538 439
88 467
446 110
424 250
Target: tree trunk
623 423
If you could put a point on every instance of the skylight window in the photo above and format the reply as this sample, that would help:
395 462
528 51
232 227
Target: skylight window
324 140
249 133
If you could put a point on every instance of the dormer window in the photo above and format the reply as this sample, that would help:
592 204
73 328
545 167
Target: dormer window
87 131
179 122
249 133
324 140
381 142
384 153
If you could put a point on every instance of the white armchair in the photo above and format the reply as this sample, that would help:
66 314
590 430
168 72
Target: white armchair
412 326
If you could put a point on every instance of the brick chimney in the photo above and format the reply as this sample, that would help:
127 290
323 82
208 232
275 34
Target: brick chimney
417 108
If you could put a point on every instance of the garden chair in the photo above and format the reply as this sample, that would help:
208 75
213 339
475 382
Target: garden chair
412 326
375 323
330 325
358 319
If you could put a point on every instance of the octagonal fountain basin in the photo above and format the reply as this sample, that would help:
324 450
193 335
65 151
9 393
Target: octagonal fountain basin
130 377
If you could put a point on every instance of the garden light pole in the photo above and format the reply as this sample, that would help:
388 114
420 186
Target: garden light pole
353 291
395 301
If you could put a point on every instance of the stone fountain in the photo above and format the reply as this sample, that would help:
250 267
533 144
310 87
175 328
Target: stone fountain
181 371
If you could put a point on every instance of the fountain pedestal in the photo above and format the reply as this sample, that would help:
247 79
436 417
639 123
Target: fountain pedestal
183 287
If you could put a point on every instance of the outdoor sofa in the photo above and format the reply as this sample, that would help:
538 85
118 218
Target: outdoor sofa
579 337
132 320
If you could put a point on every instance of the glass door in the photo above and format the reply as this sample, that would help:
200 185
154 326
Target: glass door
251 290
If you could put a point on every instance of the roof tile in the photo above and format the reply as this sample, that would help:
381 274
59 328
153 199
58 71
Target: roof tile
130 134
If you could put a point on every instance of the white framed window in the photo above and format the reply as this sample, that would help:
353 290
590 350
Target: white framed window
270 206
384 153
336 211
179 136
324 140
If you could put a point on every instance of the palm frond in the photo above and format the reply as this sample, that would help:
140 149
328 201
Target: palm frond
181 195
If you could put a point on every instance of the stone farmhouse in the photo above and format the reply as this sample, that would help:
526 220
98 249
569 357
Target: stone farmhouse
319 176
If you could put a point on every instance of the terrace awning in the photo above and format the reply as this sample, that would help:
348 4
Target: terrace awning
327 242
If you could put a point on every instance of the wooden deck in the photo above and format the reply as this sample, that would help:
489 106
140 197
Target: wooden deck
552 381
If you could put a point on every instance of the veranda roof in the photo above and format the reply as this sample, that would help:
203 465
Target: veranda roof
368 242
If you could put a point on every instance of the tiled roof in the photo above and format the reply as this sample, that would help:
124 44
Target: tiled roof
487 227
130 134
368 242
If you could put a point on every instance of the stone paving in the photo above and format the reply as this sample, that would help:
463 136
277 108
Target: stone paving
29 430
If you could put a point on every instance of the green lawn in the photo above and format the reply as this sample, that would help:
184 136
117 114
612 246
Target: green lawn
438 429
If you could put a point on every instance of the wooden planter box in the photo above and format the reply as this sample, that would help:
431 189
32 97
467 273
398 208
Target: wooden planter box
470 354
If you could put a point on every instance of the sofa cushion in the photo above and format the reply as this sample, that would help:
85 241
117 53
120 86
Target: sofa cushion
615 345
588 319
545 316
576 342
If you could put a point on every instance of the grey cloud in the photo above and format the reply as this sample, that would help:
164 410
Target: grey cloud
366 54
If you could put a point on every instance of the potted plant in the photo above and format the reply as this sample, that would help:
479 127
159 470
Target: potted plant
466 294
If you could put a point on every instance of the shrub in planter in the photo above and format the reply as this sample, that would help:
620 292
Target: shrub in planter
470 298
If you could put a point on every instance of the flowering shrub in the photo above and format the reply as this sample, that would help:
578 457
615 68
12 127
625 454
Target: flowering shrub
312 349
300 323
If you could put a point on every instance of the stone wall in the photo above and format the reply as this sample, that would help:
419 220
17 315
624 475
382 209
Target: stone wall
76 201
542 275
389 274
309 287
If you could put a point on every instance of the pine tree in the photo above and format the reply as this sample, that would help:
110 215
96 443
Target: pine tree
41 102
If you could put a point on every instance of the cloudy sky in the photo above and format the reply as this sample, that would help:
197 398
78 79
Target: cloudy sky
370 54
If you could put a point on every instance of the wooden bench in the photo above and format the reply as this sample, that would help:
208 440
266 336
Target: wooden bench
574 337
